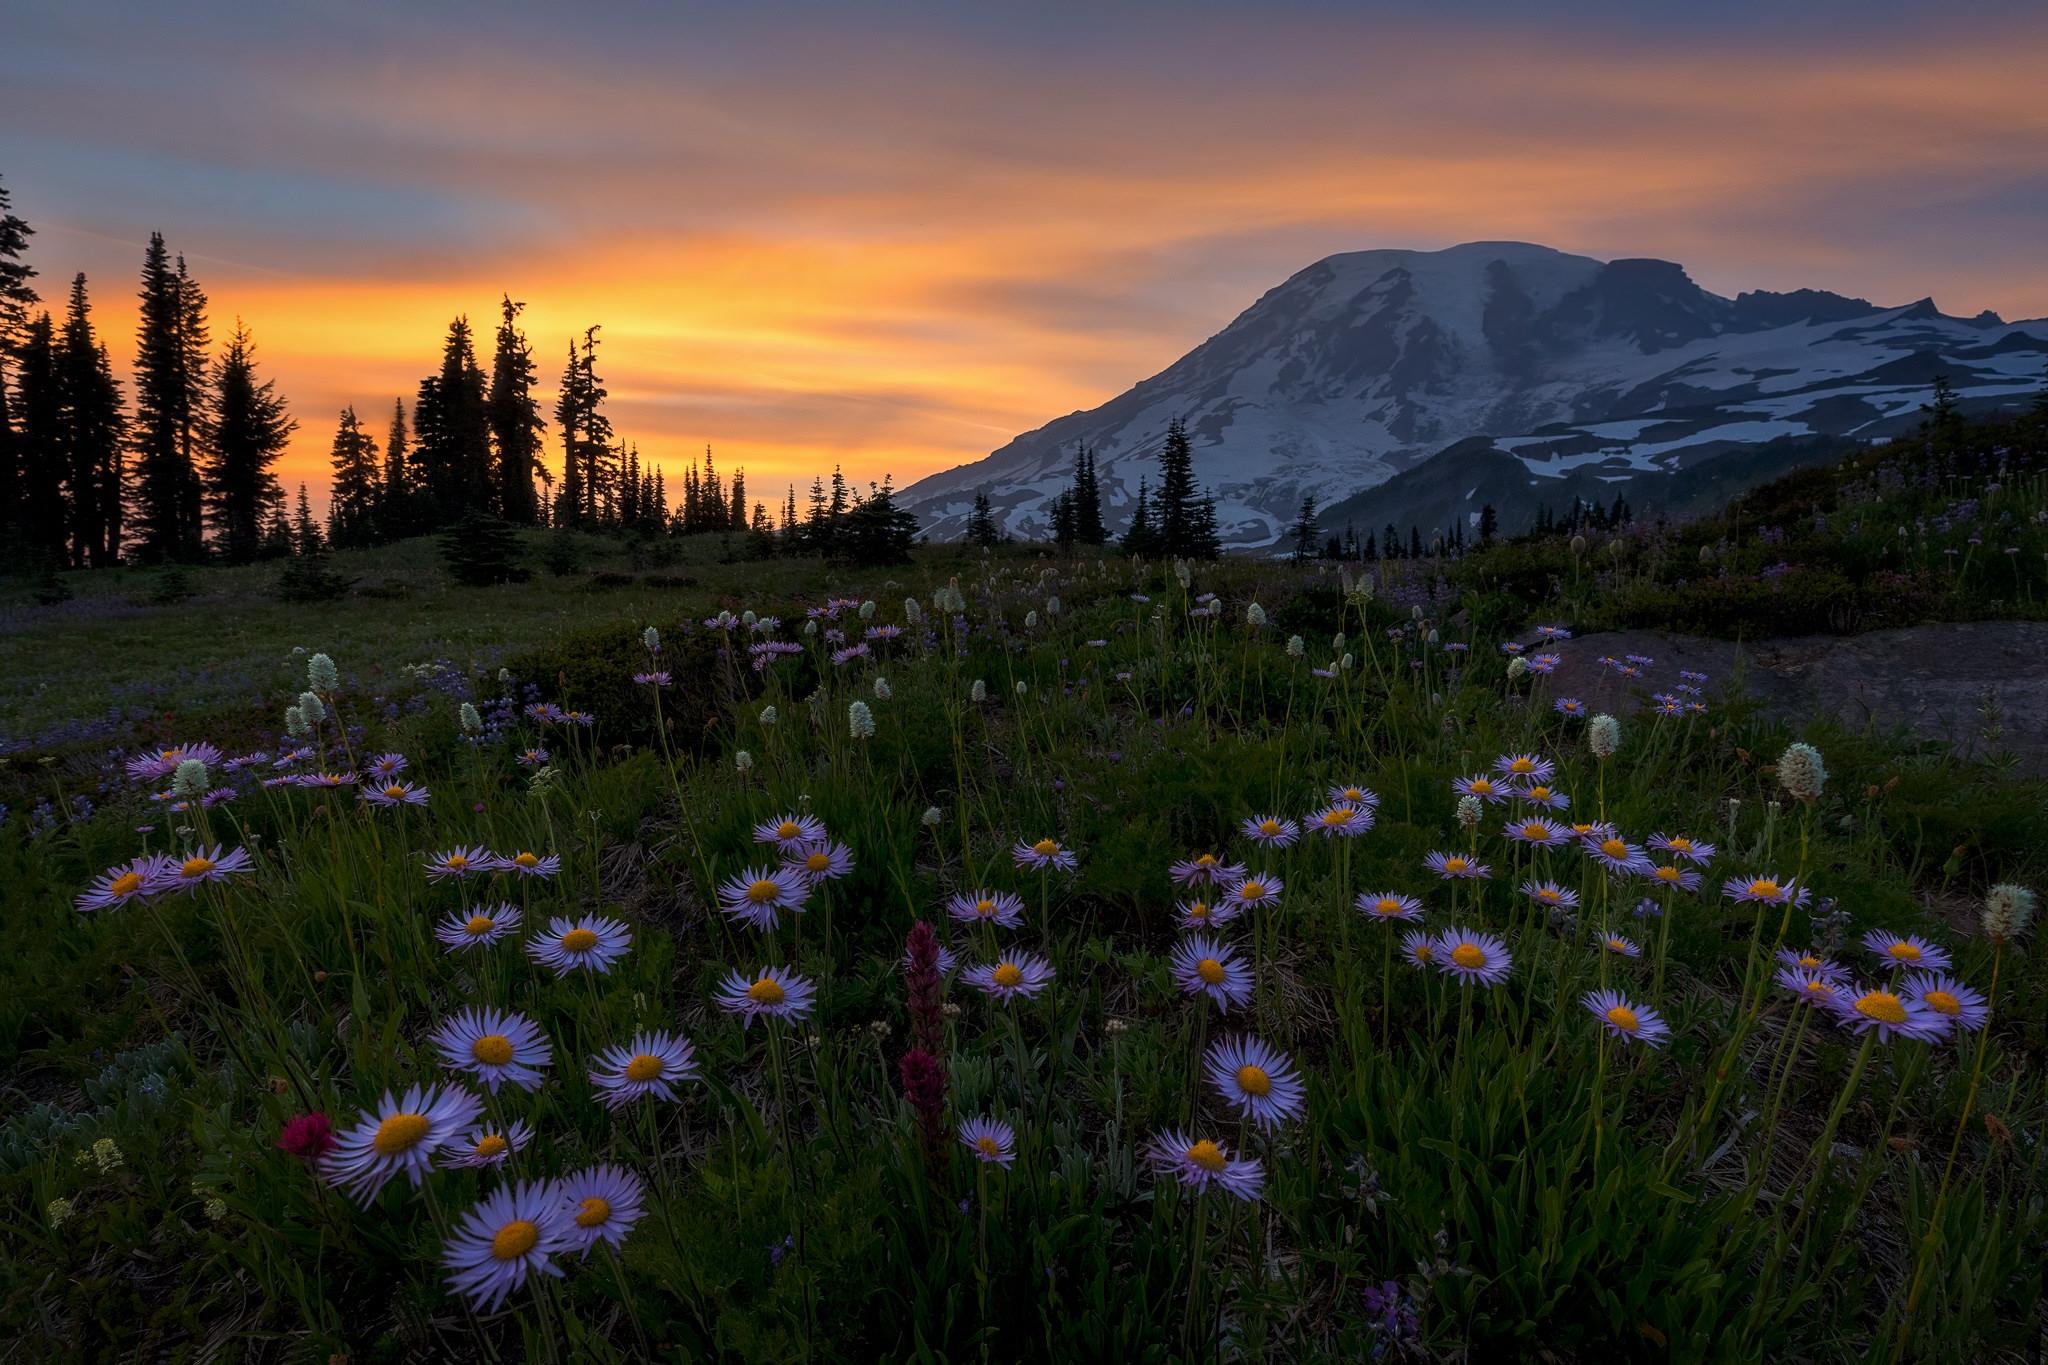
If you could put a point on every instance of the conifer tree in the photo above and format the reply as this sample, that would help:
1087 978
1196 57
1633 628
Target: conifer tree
452 431
17 295
1088 527
981 522
515 420
394 499
250 428
1176 511
92 432
1305 528
1063 518
42 514
738 518
305 531
352 513
569 417
1141 537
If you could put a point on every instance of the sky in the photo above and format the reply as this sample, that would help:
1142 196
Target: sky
892 236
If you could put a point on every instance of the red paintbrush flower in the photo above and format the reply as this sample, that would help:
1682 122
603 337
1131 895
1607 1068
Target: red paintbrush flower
307 1137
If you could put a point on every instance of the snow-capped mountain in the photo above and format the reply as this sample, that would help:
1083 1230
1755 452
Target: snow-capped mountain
1577 371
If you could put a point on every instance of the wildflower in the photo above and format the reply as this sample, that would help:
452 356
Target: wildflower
742 761
495 1046
654 1063
387 766
477 928
1482 787
1341 821
924 1086
659 677
1536 831
1200 1164
1473 956
534 758
399 1137
1418 948
978 692
1004 909
1353 796
1456 866
307 1137
1615 853
467 717
1252 892
526 863
1202 914
790 831
1812 964
1568 706
1204 870
1469 809
990 1140
602 1204
459 862
2008 909
1624 1019
1017 974
1046 853
925 965
322 674
1270 830
1764 890
161 763
932 816
1551 895
394 794
106 1155
1801 771
1388 906
1205 966
190 779
1910 951
1806 985
758 896
776 993
1603 736
135 879
514 1232
768 717
202 866
860 721
883 692
1620 946
588 943
1257 1080
1296 647
311 708
821 860
59 1211
1863 1008
484 1148
1525 768
1946 995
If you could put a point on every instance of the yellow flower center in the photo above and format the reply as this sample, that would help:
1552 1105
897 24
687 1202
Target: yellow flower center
1386 905
399 1133
124 884
1905 952
1616 945
1667 874
1614 848
490 1145
1623 1018
579 940
456 862
1207 1155
1809 961
394 791
1942 1002
1252 891
1469 955
171 755
1549 896
1210 970
1198 910
527 860
1353 794
493 1049
478 926
593 1212
1536 829
1045 848
985 908
788 829
988 1146
1582 830
1338 815
818 862
1253 1080
1481 787
1681 844
644 1066
1882 1006
515 1239
1522 765
1818 988
1424 952
766 991
196 867
1455 864
1766 889
1539 793
1007 974
763 891
1269 826
1207 860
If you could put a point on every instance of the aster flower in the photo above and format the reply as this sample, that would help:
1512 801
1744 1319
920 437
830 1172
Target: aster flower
1910 951
136 879
1626 1020
1527 769
1046 853
1551 895
1352 796
1673 876
384 767
656 678
535 757
1454 866
1205 870
478 928
526 863
1271 830
513 1233
1863 1008
774 993
496 1046
1620 946
1615 853
1257 1080
1679 846
394 794
1341 821
590 943
1254 891
654 1063
1763 890
324 781
1205 966
1541 795
1005 909
820 860
1537 832
602 1204
1810 986
1418 948
789 831
1012 975
990 1140
399 1137
1204 914
158 764
759 896
1964 1006
201 866
1389 906
1812 964
1473 956
488 1148
1568 706
1201 1164
1481 787
459 862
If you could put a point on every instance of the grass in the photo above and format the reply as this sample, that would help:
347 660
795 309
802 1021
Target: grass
1481 1173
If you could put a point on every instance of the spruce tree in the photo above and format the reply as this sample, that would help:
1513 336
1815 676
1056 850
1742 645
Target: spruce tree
170 404
42 514
352 514
515 420
1305 528
92 430
1204 540
17 295
1177 510
981 522
452 433
569 417
1088 527
249 428
1141 537
876 531
305 531
1063 518
737 519
394 499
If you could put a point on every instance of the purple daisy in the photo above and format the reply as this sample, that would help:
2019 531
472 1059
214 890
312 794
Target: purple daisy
775 993
1863 1008
1202 965
1456 866
1626 1020
654 1063
394 794
1043 855
1473 956
1964 1006
477 928
1257 1080
1910 951
989 1140
1011 976
201 866
602 1203
760 896
1201 1164
1004 909
515 1232
136 879
1271 830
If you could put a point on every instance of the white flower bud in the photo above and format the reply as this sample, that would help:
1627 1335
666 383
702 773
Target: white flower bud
913 614
1344 664
1021 687
882 690
1801 771
932 816
295 723
867 610
1052 606
472 723
321 672
190 779
748 618
1255 616
1031 620
978 692
1603 735
1296 647
2008 909
860 722
1468 812
311 707
742 761
811 627
768 716
1517 666
651 638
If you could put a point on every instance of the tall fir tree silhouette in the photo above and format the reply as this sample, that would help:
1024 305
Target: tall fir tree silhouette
17 297
394 497
93 432
42 510
170 404
1088 527
250 428
352 510
515 418
451 431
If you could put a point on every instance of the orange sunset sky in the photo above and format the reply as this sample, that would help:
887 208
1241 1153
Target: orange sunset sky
893 236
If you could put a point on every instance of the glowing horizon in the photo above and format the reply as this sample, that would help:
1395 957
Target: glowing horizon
893 241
